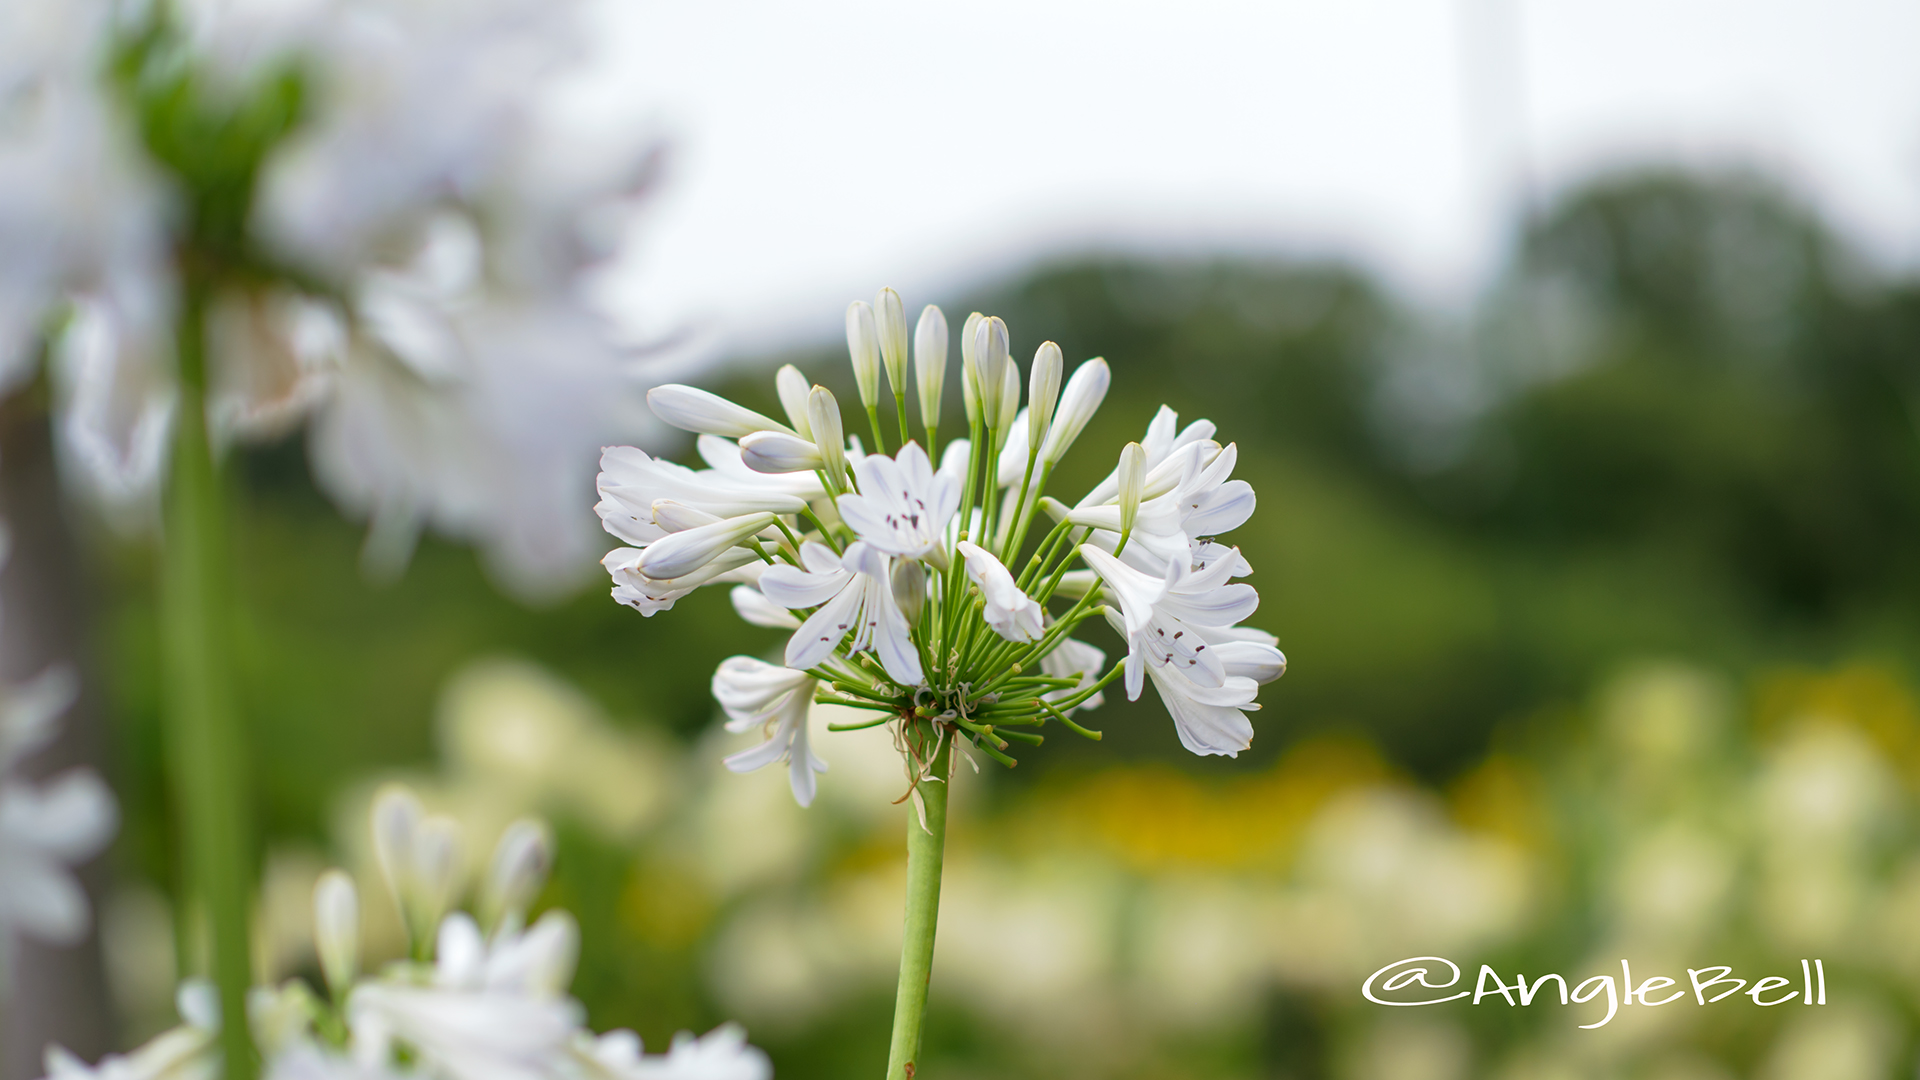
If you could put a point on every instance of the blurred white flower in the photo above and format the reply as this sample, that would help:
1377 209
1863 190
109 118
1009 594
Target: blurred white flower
756 694
433 224
49 826
186 1052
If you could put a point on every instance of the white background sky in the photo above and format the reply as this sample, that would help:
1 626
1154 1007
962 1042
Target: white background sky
824 149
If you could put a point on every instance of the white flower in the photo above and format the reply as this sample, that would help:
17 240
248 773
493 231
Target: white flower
1011 613
903 505
1163 616
853 595
470 409
720 1054
493 1011
46 827
754 694
1208 719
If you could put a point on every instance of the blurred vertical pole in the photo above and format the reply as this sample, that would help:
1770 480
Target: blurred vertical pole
206 754
59 994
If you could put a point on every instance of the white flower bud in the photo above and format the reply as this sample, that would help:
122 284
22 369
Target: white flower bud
1043 392
823 415
864 348
1078 402
792 388
336 929
681 553
1133 473
910 589
521 861
970 368
436 869
779 452
890 320
396 818
989 365
692 409
930 362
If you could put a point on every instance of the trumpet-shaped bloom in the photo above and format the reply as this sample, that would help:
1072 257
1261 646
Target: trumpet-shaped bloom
1011 613
1163 616
1208 719
852 595
756 694
903 505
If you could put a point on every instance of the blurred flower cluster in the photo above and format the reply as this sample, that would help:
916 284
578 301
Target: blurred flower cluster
480 995
382 219
1106 923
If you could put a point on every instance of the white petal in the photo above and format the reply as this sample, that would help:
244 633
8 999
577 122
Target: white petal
753 606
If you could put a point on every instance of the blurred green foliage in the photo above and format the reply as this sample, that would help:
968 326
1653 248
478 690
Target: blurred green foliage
1682 424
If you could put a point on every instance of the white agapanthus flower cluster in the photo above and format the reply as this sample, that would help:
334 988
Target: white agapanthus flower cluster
910 588
45 828
472 1003
402 271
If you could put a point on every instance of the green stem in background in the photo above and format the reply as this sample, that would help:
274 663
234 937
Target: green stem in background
206 755
873 421
926 851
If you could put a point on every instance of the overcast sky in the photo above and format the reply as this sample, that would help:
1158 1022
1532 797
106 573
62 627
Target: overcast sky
822 150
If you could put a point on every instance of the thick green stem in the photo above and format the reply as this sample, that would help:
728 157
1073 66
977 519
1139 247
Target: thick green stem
926 850
205 753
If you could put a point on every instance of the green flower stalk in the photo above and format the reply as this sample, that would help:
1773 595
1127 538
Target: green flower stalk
920 593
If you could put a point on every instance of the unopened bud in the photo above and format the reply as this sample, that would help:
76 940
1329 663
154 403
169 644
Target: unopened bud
970 368
779 452
336 929
930 362
991 346
890 320
1133 473
823 415
864 349
792 388
910 589
1078 402
436 870
1043 393
521 861
396 818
